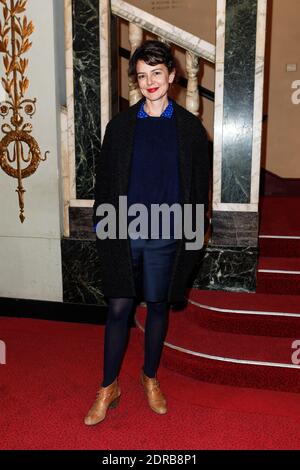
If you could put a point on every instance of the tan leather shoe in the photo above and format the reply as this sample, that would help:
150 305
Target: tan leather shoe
107 397
156 399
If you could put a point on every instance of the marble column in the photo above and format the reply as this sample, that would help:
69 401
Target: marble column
231 259
92 99
86 70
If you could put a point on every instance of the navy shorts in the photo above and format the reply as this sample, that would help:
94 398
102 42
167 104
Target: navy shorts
152 262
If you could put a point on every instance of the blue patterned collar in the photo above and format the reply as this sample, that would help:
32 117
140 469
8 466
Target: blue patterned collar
167 112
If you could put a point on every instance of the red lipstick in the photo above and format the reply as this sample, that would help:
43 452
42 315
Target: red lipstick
152 90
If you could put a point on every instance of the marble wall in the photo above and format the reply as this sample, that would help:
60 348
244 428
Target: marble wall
86 69
229 269
238 102
231 259
240 53
30 252
92 84
80 266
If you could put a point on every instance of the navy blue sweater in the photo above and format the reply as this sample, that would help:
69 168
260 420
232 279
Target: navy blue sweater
154 175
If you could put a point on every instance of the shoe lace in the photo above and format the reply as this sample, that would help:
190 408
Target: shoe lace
156 385
99 394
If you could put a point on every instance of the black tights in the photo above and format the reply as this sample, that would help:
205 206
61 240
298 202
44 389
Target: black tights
116 334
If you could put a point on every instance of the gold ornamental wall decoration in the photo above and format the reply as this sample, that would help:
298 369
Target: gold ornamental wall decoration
19 152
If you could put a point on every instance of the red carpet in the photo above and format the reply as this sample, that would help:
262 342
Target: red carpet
280 264
271 326
245 301
282 247
281 275
52 375
216 313
215 343
280 283
279 216
54 369
238 347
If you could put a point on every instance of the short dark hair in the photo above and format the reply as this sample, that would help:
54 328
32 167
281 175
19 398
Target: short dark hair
152 52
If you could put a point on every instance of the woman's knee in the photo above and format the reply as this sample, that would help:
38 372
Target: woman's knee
119 308
158 307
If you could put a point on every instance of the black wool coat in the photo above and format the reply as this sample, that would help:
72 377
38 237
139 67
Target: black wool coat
112 179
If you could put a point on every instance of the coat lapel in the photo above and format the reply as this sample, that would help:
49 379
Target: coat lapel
185 153
126 153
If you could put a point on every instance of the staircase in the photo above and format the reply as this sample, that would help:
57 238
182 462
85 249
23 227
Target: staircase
194 47
243 340
240 339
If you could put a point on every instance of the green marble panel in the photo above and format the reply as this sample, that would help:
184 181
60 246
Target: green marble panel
239 79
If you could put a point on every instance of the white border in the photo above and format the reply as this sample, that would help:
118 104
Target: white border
280 237
244 312
278 271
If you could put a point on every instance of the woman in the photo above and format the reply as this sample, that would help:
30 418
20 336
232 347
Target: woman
155 152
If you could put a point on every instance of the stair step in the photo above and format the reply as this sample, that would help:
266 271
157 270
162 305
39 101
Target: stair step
279 227
283 284
279 265
255 314
259 325
242 360
279 216
245 303
281 275
282 246
239 347
236 375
